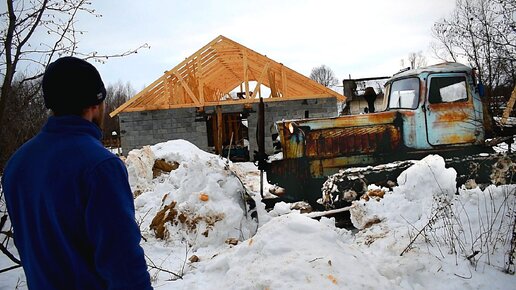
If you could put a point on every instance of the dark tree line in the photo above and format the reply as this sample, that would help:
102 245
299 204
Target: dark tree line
24 117
117 94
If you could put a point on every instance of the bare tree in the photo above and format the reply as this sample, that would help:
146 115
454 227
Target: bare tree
24 21
483 33
415 60
324 75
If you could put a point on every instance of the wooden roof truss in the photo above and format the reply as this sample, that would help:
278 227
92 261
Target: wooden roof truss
208 76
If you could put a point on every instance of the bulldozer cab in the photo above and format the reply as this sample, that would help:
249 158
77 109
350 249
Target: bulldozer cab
447 109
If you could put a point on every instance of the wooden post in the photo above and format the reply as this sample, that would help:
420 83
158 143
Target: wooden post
283 82
218 146
259 83
200 85
246 74
509 106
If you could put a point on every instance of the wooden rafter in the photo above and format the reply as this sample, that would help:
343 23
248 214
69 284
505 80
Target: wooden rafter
246 74
260 80
187 88
209 74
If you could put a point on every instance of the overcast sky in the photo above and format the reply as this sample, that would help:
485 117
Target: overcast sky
358 37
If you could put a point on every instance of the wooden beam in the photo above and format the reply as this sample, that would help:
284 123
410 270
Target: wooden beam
200 81
168 90
227 102
508 107
218 145
229 68
260 80
246 75
187 89
213 73
272 83
136 97
283 82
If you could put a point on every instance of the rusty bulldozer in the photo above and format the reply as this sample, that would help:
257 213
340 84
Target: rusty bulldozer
433 110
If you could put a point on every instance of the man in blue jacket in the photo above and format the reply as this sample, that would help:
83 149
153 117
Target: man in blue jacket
68 198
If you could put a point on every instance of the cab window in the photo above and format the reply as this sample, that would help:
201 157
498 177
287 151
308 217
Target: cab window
447 89
404 94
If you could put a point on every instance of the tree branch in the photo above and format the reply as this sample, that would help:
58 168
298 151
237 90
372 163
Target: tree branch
6 252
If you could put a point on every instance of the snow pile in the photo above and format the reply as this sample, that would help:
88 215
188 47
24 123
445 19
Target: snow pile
290 252
410 197
139 168
200 202
466 235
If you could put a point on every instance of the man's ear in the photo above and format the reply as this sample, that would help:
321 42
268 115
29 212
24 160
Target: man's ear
88 112
92 109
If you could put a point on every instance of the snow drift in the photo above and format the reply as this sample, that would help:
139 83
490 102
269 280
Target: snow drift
412 198
201 201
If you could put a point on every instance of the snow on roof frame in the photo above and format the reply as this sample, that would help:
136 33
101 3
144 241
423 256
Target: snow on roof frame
207 77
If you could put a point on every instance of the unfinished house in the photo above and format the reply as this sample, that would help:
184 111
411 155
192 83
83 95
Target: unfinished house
211 100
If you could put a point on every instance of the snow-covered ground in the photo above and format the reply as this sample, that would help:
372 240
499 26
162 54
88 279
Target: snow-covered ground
421 235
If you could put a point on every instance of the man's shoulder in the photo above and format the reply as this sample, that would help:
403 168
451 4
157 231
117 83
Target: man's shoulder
85 151
97 153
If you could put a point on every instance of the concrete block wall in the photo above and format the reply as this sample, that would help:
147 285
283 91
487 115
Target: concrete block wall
277 111
151 127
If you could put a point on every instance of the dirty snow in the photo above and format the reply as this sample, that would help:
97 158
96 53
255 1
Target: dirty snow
292 251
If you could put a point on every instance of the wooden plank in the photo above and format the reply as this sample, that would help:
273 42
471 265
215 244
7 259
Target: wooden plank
168 90
260 80
246 75
187 89
272 83
229 68
232 102
200 80
317 214
136 97
283 82
218 147
509 106
151 97
213 73
235 102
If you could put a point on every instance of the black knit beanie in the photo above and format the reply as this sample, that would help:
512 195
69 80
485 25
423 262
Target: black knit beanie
71 84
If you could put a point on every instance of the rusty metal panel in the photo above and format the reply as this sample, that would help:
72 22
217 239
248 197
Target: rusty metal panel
336 142
331 137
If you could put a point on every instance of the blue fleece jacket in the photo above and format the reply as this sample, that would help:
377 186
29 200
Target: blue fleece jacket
72 211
